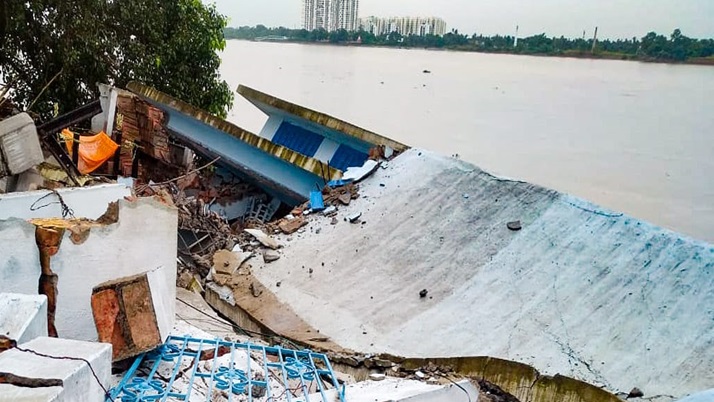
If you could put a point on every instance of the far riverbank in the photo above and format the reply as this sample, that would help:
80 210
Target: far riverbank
700 61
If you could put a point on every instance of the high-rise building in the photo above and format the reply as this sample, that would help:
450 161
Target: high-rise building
405 26
330 15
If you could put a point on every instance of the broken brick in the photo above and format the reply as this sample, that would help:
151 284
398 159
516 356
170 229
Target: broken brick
292 226
124 316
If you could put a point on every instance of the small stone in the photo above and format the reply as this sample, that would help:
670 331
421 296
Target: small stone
256 289
377 377
423 293
466 196
278 284
514 226
270 256
334 221
257 391
318 230
420 375
635 393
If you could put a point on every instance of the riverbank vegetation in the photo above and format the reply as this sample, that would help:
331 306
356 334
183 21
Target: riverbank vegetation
652 47
53 53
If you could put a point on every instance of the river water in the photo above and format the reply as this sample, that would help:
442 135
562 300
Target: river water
634 137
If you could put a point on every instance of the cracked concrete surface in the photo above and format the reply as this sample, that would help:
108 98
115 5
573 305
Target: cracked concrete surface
580 291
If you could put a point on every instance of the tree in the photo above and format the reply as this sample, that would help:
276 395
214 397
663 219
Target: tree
169 44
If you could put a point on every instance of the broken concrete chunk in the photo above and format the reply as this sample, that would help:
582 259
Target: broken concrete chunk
125 316
270 256
359 173
329 210
354 218
23 317
292 226
263 238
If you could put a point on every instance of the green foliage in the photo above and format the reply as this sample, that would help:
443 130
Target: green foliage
169 44
652 47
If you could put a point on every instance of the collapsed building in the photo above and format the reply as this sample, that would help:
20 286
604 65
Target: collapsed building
344 266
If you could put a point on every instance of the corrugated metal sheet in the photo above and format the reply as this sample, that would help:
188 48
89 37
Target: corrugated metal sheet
298 139
346 156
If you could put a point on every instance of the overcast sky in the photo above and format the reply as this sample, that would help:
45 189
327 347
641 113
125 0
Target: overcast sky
616 18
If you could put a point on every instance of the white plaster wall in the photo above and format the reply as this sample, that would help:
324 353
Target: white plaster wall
19 257
79 385
271 127
86 202
143 240
23 317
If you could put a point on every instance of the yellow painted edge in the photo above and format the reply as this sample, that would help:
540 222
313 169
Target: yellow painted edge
320 118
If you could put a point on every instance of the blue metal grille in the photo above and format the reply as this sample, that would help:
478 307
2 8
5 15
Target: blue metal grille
298 139
191 369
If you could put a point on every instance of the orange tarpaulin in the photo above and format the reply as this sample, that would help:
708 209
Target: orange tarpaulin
94 150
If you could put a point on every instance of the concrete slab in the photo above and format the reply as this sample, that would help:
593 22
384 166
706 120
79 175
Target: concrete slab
79 384
706 396
401 390
23 317
581 291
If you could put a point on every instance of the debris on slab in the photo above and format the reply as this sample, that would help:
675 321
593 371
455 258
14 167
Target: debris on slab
354 218
514 226
263 238
270 256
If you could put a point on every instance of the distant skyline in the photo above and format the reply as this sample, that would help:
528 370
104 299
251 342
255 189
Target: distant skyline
615 18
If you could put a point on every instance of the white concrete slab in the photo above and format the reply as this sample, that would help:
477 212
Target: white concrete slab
580 290
143 240
706 396
79 385
12 393
399 390
86 202
23 317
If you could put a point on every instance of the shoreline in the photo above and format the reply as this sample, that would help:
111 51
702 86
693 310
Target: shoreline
573 55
